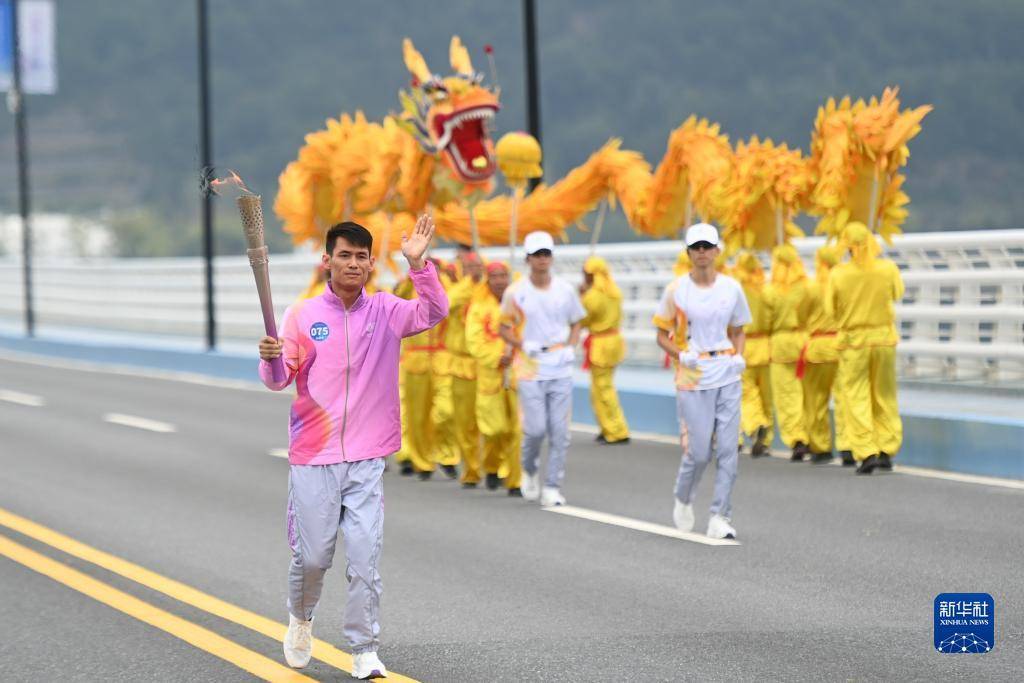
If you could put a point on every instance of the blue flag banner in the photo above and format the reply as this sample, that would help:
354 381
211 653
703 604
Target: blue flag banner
37 21
6 44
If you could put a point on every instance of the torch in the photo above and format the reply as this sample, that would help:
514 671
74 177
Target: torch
251 210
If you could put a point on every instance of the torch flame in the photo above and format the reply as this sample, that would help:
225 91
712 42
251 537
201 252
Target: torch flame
217 185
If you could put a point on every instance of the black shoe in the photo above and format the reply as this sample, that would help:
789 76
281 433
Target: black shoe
618 442
515 493
821 458
885 462
469 484
867 465
600 439
450 471
424 476
848 459
799 451
493 481
761 446
407 469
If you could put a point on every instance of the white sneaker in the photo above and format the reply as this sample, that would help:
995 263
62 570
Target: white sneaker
550 497
682 515
719 527
530 485
367 665
298 642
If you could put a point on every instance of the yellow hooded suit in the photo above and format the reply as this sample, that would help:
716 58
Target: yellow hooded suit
783 299
861 297
604 347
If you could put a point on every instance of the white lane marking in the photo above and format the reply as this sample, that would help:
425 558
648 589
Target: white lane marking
136 371
637 525
278 453
139 423
633 436
203 380
22 399
959 477
928 473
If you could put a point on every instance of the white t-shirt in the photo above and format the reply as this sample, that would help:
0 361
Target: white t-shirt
709 312
546 315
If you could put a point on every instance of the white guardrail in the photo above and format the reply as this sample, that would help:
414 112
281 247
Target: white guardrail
962 317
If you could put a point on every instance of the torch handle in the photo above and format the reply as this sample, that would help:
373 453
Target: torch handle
260 263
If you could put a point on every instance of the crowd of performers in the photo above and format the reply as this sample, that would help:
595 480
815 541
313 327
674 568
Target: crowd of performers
483 362
481 391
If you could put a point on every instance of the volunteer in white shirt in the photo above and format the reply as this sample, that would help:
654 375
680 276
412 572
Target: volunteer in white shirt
541 317
708 381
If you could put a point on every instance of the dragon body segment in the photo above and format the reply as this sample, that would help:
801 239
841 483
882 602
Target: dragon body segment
437 155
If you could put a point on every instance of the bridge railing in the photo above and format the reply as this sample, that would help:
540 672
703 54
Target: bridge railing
962 317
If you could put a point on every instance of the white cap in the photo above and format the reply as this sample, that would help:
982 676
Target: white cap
536 241
702 232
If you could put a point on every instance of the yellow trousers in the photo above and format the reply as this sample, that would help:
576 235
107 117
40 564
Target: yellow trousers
818 380
465 432
756 410
839 416
418 435
605 402
867 382
403 454
497 417
788 401
442 414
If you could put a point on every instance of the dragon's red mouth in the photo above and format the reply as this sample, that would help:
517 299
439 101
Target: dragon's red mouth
463 136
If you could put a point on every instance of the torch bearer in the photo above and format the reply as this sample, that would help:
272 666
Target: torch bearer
251 210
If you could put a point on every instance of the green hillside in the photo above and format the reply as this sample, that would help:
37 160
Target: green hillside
119 140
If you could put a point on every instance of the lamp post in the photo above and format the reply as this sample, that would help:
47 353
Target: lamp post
16 103
205 164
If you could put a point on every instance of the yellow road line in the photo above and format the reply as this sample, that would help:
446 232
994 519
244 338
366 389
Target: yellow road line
322 650
194 635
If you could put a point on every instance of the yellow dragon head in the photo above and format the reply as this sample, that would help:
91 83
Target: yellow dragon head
450 117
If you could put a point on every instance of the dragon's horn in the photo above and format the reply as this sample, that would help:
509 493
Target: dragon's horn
459 57
414 61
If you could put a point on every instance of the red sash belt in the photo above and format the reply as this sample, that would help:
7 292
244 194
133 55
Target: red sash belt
801 362
589 341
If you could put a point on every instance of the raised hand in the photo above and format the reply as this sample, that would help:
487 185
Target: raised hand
415 245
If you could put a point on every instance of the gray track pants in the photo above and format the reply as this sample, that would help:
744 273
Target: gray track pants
546 406
706 413
322 499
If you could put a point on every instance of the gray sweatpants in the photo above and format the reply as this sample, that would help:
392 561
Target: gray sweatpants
707 413
322 499
546 406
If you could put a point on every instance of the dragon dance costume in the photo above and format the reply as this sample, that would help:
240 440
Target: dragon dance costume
604 349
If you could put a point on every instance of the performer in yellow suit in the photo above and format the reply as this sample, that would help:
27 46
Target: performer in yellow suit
497 404
756 415
427 410
604 348
861 297
818 360
462 369
783 298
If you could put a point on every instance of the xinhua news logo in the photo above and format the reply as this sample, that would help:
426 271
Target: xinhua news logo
964 623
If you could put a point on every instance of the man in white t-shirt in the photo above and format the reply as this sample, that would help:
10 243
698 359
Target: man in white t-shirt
712 309
541 317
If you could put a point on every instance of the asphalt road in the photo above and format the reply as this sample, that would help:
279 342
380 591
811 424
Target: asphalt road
835 578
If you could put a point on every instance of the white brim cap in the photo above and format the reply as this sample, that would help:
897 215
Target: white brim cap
536 241
702 232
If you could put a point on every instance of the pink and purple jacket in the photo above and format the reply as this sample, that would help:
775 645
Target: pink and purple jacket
345 366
